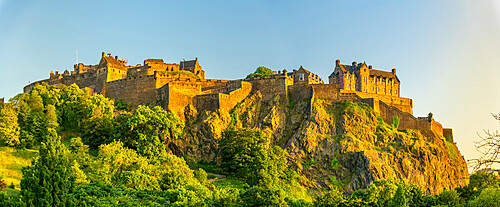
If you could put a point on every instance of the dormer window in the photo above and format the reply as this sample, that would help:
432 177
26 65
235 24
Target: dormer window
301 76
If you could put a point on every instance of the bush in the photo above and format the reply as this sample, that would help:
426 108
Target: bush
488 197
200 175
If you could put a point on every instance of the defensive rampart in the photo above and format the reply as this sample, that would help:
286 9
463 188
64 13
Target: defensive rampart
224 102
140 90
175 96
271 86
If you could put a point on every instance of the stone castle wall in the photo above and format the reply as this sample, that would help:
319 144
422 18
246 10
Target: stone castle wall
139 90
224 102
408 121
175 96
271 86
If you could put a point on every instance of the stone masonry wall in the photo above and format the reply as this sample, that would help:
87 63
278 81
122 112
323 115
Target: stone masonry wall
228 101
135 90
270 86
177 95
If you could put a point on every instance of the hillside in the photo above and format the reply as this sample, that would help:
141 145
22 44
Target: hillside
333 144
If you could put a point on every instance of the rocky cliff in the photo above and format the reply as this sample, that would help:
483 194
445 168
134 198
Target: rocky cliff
344 144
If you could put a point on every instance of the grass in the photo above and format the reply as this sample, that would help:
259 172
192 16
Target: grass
11 162
230 183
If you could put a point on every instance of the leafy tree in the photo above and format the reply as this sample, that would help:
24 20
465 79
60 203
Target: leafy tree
119 165
257 196
332 198
34 118
450 198
260 72
400 198
488 197
243 152
9 128
148 130
49 177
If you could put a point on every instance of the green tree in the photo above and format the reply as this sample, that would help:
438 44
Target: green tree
332 198
488 197
34 118
243 152
9 128
147 130
400 198
46 181
260 72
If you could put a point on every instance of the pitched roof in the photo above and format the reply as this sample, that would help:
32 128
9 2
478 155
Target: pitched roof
189 63
111 60
302 68
381 73
373 72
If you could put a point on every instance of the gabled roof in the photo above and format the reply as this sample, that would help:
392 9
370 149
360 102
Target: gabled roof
303 69
189 63
385 74
111 60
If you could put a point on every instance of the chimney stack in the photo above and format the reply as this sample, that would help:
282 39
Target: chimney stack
116 57
354 64
337 62
394 71
103 54
370 67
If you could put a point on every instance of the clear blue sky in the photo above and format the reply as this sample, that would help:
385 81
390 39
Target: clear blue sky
447 53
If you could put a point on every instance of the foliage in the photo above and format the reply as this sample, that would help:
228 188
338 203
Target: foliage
243 152
122 105
395 122
200 175
34 118
148 130
9 128
332 197
488 197
257 196
260 72
49 178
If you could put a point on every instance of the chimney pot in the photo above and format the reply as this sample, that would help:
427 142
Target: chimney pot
116 57
103 54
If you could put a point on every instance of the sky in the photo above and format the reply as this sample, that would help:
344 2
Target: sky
447 53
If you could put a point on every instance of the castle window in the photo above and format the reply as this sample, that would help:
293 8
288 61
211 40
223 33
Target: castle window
372 88
384 90
348 85
396 91
390 91
378 89
301 76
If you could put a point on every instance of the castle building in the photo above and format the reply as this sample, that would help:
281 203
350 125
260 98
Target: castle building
303 76
363 78
182 86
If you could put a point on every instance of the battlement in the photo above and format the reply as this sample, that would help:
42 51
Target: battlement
175 86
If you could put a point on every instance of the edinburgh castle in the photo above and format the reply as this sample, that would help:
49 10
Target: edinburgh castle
182 86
